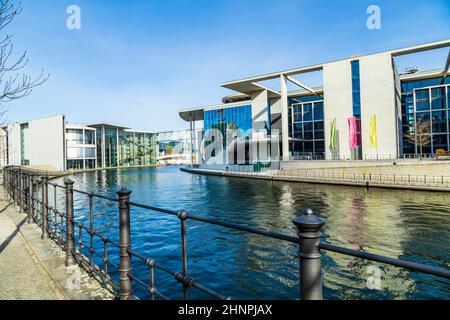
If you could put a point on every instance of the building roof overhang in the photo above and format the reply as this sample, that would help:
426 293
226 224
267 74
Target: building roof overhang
194 114
106 125
247 85
423 75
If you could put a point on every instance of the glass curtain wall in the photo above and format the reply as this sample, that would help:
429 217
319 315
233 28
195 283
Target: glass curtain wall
99 137
228 121
81 149
137 148
307 127
23 141
426 102
111 147
75 156
356 97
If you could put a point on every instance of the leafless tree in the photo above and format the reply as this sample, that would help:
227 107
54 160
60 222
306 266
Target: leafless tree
13 83
421 135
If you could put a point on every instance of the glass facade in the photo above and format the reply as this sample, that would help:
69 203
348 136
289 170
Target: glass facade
356 89
105 146
229 120
121 147
137 148
23 137
426 101
306 117
110 146
356 99
81 149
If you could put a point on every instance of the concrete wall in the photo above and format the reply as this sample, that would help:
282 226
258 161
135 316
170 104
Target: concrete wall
338 104
275 114
44 143
13 132
378 98
403 167
259 110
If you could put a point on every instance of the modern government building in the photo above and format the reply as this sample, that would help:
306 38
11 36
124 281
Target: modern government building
366 108
52 144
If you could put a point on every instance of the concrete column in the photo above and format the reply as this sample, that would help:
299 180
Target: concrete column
192 143
284 117
103 148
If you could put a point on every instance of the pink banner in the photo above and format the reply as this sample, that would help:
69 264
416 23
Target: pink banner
354 132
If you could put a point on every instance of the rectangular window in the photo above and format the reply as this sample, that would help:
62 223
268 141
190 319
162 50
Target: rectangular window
306 129
90 152
75 165
307 112
356 96
90 164
422 100
89 136
318 111
356 91
74 153
439 121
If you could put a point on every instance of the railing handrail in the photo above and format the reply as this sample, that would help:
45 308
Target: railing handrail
18 182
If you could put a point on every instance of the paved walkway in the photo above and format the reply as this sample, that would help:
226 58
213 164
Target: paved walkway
33 269
22 276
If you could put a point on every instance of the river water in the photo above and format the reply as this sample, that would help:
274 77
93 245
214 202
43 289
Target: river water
410 225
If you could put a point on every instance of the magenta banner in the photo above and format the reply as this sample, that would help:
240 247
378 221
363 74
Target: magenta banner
354 133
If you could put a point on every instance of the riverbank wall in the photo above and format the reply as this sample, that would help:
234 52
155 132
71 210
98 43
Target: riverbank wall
361 176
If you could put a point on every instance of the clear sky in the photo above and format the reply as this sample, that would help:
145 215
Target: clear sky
138 62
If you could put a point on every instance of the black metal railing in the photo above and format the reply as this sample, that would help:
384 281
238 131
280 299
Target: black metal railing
375 178
61 226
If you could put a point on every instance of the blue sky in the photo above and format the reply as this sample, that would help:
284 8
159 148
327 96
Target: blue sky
138 62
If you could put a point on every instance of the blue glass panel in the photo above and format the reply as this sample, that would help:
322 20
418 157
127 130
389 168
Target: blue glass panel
356 85
307 112
422 100
438 98
439 121
318 111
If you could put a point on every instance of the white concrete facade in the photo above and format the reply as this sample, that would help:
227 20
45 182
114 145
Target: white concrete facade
38 143
378 99
337 87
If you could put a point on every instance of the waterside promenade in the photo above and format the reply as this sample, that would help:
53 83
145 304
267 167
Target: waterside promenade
32 268
427 177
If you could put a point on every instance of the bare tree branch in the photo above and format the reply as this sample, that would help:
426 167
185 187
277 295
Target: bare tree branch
13 86
420 134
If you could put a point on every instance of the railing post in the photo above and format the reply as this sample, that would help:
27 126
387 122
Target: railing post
309 226
126 288
30 199
44 208
70 235
16 199
22 191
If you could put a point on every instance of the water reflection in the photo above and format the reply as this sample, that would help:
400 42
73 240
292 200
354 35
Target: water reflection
402 224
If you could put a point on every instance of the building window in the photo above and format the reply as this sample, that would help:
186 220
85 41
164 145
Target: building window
307 130
356 89
422 100
90 152
231 119
426 100
75 153
23 142
89 136
356 97
74 136
90 163
75 164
